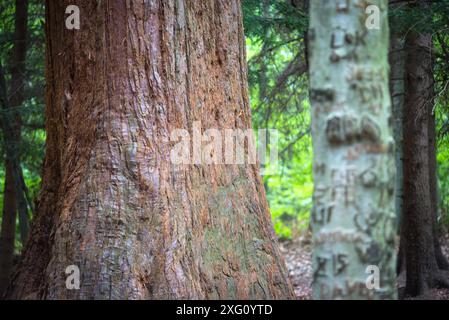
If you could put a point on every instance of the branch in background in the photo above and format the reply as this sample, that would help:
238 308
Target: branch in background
293 142
256 59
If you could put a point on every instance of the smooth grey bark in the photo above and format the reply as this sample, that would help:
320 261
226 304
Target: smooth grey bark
353 218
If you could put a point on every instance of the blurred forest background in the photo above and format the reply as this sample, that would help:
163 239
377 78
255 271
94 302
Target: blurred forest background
276 50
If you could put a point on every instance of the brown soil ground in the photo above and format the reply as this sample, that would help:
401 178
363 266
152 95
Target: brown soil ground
298 254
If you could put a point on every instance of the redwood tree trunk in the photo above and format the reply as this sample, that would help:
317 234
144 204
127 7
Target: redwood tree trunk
112 203
422 270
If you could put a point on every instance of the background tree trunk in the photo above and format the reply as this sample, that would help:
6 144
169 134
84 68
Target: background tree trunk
16 94
422 271
8 232
14 198
112 203
353 218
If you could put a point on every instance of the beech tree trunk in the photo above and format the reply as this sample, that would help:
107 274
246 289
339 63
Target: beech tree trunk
112 203
418 228
353 218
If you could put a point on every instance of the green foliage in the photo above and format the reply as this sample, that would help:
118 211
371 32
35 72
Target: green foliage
290 194
443 174
278 93
440 32
443 163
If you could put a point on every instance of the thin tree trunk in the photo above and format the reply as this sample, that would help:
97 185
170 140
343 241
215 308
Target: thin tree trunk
353 218
15 103
22 205
263 81
8 231
112 202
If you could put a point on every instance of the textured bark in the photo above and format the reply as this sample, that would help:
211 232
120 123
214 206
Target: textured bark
112 203
353 218
422 271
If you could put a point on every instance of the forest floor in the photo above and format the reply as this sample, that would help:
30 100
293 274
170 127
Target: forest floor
298 257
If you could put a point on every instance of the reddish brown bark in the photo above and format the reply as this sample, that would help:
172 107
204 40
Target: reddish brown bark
112 203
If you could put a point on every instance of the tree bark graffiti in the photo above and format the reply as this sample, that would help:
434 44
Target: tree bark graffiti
353 218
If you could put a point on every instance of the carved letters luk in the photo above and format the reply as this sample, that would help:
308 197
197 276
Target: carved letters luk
343 42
